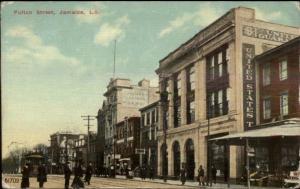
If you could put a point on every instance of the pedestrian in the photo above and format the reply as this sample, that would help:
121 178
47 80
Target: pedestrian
183 175
88 173
42 175
143 172
67 173
214 174
25 176
151 172
78 174
201 176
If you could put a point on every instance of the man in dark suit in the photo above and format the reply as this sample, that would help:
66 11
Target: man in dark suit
67 172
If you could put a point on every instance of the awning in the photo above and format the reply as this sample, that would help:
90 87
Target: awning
290 128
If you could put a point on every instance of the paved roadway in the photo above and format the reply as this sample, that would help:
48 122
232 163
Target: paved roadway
57 181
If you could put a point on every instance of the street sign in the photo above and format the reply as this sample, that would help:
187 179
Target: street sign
140 151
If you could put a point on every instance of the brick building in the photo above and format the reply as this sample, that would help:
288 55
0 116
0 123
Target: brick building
127 140
149 128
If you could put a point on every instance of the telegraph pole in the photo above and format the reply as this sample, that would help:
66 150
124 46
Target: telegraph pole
88 118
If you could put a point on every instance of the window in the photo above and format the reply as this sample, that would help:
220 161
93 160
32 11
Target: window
284 107
267 108
217 64
192 78
179 85
153 117
283 70
192 111
266 74
217 103
143 120
227 54
212 68
190 96
148 118
220 101
220 64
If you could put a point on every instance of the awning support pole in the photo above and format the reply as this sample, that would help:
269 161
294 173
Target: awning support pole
247 159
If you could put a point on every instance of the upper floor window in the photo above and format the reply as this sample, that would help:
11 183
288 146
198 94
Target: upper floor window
283 72
217 103
153 117
220 64
191 78
178 82
284 105
267 108
211 68
148 118
217 64
266 74
143 120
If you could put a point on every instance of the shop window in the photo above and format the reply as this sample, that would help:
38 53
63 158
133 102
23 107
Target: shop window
267 108
283 72
284 107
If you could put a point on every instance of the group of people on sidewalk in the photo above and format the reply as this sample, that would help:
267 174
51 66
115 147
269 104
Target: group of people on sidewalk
144 171
42 175
201 176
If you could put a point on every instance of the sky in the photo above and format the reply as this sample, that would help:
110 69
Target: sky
55 68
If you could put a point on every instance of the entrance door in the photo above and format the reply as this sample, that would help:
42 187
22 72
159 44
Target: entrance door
164 160
190 159
176 157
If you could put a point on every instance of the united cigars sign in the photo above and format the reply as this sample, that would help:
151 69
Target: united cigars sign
249 85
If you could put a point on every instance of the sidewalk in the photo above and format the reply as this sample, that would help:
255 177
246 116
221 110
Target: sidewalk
195 184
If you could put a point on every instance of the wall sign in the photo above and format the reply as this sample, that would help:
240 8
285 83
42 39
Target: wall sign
266 34
249 101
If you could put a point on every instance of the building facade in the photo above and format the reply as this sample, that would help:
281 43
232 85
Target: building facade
61 150
100 139
80 149
149 128
279 82
212 92
123 100
279 106
127 141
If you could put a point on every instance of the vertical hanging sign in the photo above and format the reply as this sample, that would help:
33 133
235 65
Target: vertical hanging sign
249 97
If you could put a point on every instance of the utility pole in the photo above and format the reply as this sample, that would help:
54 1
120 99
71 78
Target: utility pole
88 118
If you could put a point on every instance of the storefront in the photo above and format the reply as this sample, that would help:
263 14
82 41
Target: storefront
273 152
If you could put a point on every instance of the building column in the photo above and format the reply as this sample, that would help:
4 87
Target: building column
183 76
201 90
202 153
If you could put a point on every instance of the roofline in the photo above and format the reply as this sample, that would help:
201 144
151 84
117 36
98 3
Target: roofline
198 33
149 105
129 118
273 50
